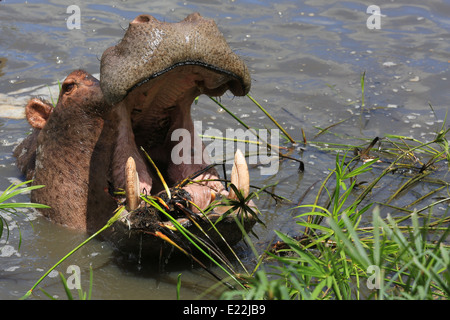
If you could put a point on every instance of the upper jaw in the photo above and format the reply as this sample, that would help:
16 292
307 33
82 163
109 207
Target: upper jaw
151 48
212 81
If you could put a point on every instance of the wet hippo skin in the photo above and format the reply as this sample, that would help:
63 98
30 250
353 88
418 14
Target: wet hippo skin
69 153
81 148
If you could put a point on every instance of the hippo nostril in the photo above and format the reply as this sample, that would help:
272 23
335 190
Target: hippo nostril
143 18
193 17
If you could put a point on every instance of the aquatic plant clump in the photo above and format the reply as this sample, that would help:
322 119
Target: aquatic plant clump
403 254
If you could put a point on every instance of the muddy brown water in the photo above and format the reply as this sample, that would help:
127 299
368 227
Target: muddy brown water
306 59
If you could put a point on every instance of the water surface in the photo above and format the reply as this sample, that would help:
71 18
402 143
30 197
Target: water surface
306 59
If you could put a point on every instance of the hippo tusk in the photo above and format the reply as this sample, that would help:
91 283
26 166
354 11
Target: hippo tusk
239 176
132 185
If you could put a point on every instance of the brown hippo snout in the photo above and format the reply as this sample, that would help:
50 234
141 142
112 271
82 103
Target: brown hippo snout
151 48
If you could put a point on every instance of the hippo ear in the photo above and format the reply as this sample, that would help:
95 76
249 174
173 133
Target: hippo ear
37 112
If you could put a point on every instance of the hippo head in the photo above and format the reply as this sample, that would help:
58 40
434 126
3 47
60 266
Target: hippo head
118 134
153 75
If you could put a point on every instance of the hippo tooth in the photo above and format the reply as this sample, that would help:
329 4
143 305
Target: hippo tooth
132 185
240 176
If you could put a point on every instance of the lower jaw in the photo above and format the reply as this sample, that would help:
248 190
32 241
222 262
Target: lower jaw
141 225
135 233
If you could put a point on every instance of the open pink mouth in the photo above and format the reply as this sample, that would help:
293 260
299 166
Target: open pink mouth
152 78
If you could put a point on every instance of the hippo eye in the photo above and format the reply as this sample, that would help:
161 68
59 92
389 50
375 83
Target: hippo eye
68 87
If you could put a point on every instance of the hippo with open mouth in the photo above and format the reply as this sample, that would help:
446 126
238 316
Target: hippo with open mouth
103 136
